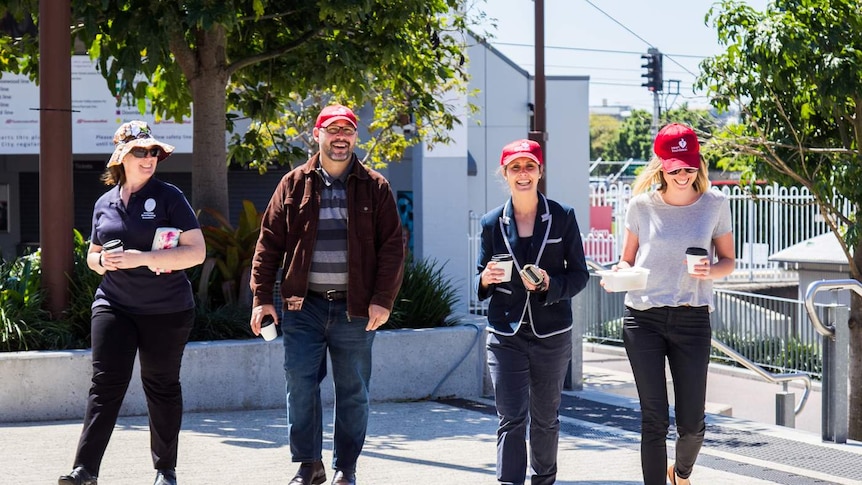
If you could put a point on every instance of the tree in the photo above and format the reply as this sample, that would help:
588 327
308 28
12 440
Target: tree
604 136
635 140
795 73
273 61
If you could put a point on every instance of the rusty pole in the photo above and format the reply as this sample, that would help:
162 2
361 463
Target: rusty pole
55 152
539 132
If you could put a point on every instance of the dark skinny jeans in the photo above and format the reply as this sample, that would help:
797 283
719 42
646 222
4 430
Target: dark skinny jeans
682 335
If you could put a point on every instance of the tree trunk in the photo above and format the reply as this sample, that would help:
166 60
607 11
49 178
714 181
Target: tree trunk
855 364
205 67
209 156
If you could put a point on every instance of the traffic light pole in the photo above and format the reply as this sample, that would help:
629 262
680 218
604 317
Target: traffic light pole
654 82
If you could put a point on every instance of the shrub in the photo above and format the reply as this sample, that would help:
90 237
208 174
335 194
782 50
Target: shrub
426 297
229 250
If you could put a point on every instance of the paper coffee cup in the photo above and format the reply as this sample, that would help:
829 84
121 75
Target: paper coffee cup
267 328
693 257
504 262
113 246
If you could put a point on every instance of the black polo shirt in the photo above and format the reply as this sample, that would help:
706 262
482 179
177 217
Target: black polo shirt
139 290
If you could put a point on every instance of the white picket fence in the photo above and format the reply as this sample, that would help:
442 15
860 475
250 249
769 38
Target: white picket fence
767 219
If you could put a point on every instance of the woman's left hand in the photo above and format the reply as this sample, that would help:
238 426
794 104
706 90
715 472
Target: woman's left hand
543 286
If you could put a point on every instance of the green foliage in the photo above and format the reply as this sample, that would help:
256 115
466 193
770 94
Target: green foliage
224 322
426 297
604 137
265 59
231 248
795 72
633 137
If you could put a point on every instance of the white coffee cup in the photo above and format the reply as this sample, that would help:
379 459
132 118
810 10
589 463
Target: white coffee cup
693 256
504 262
267 328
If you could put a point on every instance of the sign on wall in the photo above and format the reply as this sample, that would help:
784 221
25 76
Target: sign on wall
95 115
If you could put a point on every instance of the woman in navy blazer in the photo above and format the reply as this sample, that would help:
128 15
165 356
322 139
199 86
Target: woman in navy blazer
530 339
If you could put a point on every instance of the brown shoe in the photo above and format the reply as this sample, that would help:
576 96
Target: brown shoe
310 474
676 479
344 478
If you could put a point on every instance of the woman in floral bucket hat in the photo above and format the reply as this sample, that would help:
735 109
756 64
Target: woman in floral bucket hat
144 233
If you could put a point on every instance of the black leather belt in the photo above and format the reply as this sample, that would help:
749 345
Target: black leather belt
331 295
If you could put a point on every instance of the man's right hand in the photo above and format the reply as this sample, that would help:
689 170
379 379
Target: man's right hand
257 314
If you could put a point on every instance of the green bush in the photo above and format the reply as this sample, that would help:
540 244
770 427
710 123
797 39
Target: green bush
426 297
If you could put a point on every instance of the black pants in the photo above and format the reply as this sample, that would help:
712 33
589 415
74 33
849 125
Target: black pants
116 337
528 374
683 336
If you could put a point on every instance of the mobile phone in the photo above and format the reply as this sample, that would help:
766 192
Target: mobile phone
531 273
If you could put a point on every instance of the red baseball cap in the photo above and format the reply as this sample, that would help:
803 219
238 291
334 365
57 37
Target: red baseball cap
521 149
333 113
677 146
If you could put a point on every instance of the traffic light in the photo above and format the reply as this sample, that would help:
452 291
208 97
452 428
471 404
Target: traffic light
653 72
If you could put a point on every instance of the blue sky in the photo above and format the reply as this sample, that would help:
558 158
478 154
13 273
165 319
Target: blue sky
582 40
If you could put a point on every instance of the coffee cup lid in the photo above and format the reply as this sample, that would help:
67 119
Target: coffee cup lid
501 257
696 251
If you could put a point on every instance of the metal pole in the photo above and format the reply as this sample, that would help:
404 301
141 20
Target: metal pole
538 132
55 152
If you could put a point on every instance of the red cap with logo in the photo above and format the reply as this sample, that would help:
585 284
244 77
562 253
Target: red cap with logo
333 113
676 144
521 149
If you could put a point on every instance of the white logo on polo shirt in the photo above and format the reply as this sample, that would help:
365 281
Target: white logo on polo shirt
149 206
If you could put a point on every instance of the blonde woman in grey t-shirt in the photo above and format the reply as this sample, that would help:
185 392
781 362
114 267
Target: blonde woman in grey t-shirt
669 319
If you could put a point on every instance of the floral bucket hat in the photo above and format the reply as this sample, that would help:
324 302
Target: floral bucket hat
136 134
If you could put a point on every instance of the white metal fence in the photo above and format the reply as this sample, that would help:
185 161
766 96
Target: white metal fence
766 220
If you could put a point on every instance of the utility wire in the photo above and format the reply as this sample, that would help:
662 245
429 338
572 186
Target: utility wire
586 49
636 35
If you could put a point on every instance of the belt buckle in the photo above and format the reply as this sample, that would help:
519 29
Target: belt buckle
329 295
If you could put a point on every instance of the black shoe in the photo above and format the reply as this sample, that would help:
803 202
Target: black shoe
166 477
79 476
310 474
344 478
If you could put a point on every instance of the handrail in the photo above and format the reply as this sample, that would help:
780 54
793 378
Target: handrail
813 288
768 376
595 265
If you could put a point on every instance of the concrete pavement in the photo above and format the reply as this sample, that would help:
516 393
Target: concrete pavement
446 442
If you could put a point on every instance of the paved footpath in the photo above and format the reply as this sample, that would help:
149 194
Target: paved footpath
440 442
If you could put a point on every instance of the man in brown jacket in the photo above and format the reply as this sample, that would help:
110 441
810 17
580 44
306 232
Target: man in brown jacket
334 226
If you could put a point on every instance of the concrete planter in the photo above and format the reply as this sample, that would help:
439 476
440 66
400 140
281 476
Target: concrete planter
409 364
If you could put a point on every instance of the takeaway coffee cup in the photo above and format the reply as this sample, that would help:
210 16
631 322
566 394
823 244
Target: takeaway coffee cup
113 246
504 262
267 328
693 257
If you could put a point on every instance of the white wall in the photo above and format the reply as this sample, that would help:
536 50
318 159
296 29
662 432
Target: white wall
568 146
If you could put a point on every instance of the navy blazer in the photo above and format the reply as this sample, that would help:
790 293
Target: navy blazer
556 248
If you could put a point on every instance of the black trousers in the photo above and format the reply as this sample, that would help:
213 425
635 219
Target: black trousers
528 374
681 335
116 337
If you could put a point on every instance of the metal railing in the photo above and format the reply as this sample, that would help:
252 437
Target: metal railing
835 419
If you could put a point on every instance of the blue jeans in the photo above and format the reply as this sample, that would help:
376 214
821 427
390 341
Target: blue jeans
683 336
323 325
528 374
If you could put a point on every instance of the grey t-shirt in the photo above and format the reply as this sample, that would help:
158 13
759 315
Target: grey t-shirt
664 232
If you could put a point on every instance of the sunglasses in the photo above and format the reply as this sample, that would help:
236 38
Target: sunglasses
141 152
344 130
687 170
